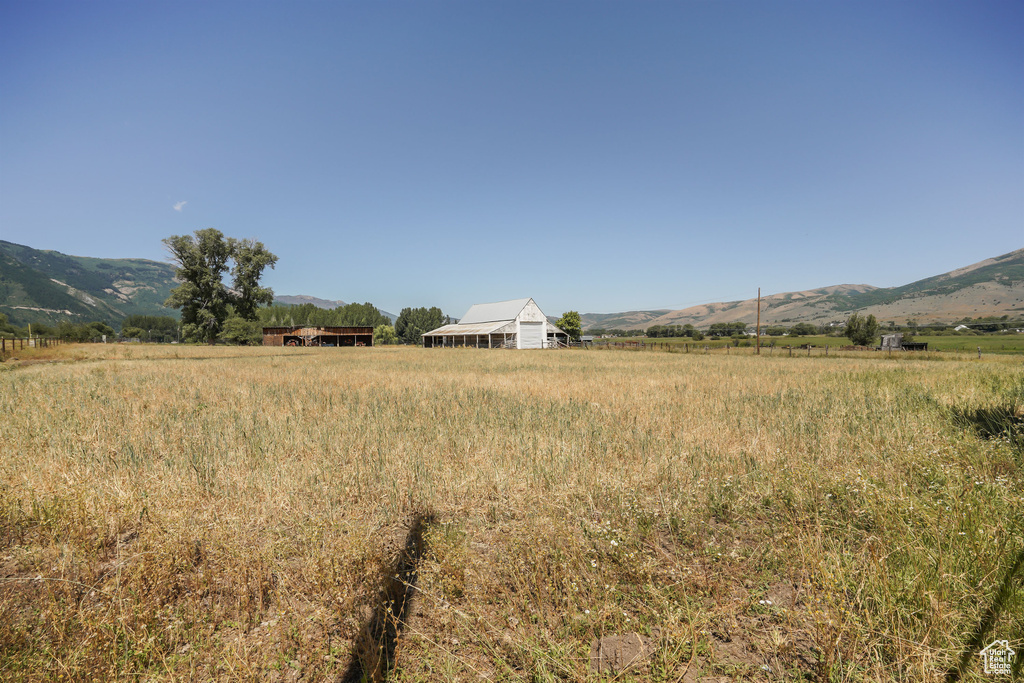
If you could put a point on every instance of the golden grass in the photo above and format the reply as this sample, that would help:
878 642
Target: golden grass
183 513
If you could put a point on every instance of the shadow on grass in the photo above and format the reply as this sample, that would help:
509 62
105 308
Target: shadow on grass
374 654
981 633
1004 421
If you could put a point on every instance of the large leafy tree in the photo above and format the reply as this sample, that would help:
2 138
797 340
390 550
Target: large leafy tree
570 324
412 323
861 331
203 259
250 259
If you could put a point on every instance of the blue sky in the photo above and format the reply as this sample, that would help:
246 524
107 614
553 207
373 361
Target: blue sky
597 156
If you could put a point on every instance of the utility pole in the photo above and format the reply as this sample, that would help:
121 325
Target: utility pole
758 321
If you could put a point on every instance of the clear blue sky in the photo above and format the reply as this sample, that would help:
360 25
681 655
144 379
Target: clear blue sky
597 156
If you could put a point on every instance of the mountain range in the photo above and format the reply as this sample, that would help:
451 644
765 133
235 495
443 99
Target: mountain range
42 286
298 299
993 287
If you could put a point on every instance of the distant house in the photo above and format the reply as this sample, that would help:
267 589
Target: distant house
514 324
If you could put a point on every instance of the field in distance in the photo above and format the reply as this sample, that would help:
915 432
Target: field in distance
194 513
989 343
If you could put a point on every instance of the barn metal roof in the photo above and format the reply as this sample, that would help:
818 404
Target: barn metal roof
461 329
500 310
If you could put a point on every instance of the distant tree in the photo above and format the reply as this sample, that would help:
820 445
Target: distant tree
727 329
349 315
384 334
361 315
801 329
697 335
413 323
83 332
861 331
239 331
203 259
159 328
656 331
98 330
776 330
133 332
570 324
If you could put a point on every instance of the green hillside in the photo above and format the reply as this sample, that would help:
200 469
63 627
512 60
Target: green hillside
990 288
1005 269
38 286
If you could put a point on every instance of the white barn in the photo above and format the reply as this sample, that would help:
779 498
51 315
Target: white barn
515 324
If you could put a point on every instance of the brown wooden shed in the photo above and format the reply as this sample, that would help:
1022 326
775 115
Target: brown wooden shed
298 335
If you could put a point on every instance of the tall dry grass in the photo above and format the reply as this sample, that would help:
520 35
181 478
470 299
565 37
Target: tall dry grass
184 513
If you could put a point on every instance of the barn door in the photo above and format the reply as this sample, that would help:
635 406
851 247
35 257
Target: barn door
531 335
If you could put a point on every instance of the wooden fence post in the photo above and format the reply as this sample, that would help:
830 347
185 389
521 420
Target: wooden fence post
979 352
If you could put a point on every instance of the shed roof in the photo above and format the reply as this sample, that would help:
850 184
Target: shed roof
500 310
462 328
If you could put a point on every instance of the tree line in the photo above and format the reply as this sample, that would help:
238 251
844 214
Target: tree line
65 330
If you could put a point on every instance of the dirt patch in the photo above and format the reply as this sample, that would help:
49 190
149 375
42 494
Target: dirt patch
617 653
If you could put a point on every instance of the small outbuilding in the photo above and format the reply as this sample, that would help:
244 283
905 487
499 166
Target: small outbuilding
297 335
891 342
515 324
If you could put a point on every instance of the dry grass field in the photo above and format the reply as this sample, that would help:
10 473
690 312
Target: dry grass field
189 513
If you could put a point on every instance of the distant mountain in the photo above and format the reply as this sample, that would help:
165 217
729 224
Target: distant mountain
993 287
42 286
298 299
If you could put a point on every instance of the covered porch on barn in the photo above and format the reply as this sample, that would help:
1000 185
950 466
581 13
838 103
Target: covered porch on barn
495 335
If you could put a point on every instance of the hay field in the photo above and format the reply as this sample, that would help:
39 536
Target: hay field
190 513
